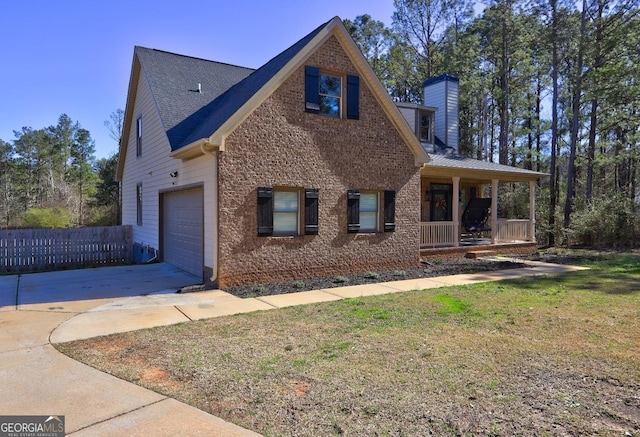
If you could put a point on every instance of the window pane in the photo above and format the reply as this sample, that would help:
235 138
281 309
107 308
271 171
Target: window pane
330 106
285 222
330 85
330 94
369 212
368 221
285 212
368 202
425 127
285 201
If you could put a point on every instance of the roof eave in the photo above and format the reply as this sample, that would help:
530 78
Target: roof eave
470 173
333 27
126 128
201 147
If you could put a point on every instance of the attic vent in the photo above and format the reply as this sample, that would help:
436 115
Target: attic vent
198 89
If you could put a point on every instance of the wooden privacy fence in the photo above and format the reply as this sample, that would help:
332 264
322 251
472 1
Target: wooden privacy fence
32 250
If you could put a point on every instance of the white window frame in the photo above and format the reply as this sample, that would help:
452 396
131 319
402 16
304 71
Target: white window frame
369 215
430 135
286 211
139 136
324 74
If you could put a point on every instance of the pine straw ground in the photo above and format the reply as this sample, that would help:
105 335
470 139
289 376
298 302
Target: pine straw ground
538 356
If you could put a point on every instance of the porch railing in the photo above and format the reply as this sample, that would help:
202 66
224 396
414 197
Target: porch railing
434 234
437 234
513 230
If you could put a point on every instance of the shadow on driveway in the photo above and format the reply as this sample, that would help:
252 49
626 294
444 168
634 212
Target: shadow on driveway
94 283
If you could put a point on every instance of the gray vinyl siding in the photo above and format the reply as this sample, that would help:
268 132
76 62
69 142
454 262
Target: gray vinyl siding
444 96
152 169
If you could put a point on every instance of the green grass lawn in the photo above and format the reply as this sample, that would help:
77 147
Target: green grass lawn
554 355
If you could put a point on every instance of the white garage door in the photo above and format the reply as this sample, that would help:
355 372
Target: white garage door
183 230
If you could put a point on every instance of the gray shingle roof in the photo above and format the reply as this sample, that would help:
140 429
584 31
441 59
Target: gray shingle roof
174 80
188 115
455 161
227 104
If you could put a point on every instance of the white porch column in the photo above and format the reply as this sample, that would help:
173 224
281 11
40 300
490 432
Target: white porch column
532 211
455 211
494 210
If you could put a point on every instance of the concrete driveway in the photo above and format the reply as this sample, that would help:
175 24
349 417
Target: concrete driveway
38 380
94 283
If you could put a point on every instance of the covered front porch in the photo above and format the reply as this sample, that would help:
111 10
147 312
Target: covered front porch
448 184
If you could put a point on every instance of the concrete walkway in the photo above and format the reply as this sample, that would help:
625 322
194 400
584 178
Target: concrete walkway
38 380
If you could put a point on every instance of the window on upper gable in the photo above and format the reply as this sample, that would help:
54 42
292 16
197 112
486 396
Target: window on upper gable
139 136
327 94
330 95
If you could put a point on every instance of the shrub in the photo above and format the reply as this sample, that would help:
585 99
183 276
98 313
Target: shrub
46 218
610 222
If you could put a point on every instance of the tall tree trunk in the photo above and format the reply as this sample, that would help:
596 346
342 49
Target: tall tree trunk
593 124
575 122
503 147
591 151
528 160
553 197
538 125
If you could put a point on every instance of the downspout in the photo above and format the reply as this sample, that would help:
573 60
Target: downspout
215 155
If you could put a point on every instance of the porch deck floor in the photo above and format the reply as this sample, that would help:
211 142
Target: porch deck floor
467 244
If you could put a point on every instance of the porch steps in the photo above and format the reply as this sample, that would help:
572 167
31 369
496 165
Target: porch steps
475 254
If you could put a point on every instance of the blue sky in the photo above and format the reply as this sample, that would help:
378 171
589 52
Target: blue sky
74 56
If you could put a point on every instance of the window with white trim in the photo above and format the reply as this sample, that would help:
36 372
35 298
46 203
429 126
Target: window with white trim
425 126
286 216
369 213
139 136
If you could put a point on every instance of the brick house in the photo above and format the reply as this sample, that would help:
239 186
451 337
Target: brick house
302 168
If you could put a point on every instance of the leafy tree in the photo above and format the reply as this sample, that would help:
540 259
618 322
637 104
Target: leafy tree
80 173
107 196
9 205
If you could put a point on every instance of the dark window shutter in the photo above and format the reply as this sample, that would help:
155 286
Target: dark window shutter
353 211
311 196
389 211
265 211
353 97
312 89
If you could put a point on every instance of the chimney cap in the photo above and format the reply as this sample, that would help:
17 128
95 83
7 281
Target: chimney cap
441 78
